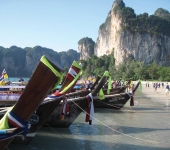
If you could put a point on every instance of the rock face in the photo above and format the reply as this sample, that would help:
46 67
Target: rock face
143 47
8 62
20 62
140 46
33 56
86 48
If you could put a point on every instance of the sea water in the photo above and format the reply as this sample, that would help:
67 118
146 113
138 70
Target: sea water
143 127
16 79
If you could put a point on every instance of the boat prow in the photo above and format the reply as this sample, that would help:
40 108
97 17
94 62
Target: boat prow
30 99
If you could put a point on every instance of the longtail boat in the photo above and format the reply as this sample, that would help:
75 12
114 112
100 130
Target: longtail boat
13 98
6 105
9 103
15 121
9 95
114 101
47 107
54 119
49 104
20 83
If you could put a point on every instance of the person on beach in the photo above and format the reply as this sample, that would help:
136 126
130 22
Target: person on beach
129 85
167 89
156 86
159 85
162 85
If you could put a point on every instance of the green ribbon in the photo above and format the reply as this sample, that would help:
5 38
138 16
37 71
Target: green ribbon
106 73
4 120
140 85
58 74
101 94
109 85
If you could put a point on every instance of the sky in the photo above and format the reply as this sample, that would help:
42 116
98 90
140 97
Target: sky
60 24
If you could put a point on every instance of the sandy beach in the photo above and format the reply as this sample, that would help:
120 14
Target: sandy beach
158 95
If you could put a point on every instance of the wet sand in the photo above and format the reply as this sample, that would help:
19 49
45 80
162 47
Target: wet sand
153 117
157 95
146 126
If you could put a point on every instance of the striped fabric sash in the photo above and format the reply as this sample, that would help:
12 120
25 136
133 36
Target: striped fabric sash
64 109
16 121
13 119
73 71
90 109
130 93
73 75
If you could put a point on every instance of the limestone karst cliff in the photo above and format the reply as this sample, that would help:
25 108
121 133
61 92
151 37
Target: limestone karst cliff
20 62
86 48
128 36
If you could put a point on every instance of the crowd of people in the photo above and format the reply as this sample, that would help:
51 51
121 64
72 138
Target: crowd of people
157 85
114 83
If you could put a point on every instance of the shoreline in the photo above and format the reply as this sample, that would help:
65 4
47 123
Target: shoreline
158 95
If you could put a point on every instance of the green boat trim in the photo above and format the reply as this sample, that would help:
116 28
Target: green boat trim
58 74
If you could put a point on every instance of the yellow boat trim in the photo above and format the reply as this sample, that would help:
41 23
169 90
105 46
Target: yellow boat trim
58 74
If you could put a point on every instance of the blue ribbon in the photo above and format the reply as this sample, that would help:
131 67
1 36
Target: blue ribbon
25 123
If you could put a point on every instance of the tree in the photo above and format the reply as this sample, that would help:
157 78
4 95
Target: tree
152 70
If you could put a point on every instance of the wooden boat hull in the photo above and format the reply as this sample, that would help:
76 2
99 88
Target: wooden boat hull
6 103
114 101
41 82
42 114
55 121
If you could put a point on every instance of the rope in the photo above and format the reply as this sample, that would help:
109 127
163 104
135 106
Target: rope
132 111
12 136
115 129
54 130
4 108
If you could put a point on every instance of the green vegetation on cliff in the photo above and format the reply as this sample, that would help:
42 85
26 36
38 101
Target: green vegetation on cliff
107 22
159 23
131 69
162 13
97 65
